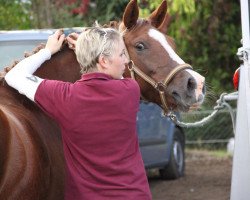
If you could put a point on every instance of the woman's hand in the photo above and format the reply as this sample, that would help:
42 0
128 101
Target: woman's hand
71 39
55 41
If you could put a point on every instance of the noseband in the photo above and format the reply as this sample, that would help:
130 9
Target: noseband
159 86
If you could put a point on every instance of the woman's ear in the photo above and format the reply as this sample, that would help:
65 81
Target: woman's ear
103 62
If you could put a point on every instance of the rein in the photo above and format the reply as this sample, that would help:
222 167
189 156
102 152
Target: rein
159 86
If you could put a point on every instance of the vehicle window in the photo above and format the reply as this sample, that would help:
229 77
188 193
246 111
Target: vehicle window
14 50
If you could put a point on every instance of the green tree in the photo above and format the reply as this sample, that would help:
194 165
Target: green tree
55 14
174 6
14 14
104 11
208 39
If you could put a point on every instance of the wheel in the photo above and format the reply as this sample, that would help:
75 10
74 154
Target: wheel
176 165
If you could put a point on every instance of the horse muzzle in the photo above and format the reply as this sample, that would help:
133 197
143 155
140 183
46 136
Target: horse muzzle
190 91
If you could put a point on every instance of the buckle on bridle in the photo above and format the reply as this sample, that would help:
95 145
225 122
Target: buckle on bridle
130 65
160 87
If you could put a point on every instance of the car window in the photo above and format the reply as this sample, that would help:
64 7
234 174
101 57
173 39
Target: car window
14 50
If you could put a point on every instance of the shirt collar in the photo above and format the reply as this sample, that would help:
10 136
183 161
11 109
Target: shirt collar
96 75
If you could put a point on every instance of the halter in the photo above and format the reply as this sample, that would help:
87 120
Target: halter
159 86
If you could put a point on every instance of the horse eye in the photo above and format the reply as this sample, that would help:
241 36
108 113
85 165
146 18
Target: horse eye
140 46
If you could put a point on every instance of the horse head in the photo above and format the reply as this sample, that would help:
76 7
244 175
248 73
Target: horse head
154 62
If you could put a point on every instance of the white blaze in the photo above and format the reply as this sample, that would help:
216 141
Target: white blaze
158 36
200 80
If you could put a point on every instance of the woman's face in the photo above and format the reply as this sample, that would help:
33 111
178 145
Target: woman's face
118 60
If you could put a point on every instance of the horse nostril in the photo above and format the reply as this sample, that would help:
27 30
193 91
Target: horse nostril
200 98
204 89
191 84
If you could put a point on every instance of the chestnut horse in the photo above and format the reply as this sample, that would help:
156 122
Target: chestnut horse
31 155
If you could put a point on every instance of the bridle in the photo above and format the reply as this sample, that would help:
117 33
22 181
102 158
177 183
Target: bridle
159 86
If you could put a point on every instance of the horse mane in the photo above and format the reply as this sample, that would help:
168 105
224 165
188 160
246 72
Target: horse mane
111 24
7 68
15 62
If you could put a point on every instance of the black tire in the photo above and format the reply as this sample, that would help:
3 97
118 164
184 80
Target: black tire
176 166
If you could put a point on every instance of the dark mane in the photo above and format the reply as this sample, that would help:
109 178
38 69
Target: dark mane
15 62
7 68
112 24
142 22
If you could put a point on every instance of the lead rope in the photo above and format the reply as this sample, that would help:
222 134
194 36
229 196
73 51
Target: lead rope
221 104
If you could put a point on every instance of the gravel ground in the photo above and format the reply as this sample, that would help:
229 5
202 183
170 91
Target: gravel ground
207 177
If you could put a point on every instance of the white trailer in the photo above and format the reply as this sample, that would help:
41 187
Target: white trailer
240 185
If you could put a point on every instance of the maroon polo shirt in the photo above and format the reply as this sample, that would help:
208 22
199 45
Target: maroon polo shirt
97 116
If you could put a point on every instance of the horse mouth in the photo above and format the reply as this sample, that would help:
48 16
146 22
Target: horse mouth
180 105
184 105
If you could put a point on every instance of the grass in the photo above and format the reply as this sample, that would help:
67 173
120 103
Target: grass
203 153
220 153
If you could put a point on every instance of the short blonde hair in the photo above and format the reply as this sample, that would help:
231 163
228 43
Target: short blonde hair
92 43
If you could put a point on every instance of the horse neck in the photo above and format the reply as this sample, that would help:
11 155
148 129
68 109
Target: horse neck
62 66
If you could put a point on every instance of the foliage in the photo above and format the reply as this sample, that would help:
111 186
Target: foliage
207 34
210 40
14 15
55 15
174 6
104 11
30 14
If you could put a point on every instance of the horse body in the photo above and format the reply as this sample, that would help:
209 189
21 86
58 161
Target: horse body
31 155
30 151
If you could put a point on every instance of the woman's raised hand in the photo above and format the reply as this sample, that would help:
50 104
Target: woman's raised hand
55 41
71 39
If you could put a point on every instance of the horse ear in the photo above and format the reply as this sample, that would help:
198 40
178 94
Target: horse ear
131 14
165 24
158 16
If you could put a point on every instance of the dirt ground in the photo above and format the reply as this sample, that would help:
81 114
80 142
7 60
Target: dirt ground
207 177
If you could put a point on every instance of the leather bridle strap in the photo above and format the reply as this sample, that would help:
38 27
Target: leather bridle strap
159 86
175 71
135 70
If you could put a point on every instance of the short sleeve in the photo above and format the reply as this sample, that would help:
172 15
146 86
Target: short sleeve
53 97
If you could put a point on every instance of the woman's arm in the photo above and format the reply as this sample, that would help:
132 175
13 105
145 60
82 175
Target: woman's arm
21 76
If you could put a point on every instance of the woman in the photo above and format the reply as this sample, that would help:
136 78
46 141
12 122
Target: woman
96 114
